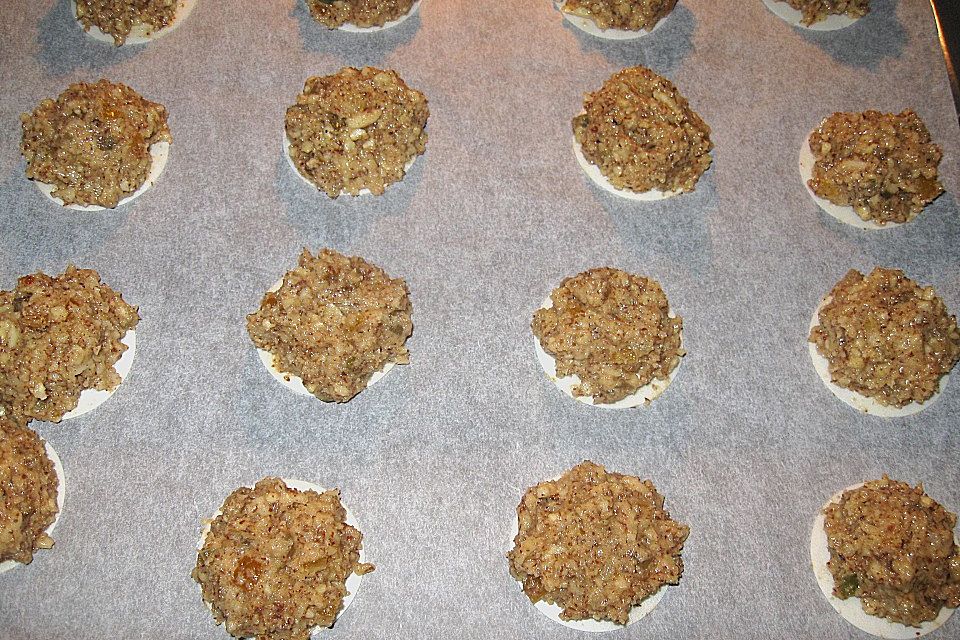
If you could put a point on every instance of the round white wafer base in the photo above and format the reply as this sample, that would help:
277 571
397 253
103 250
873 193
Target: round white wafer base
363 192
90 399
553 611
61 492
593 172
141 33
853 399
640 398
793 17
844 214
353 580
851 609
589 26
159 153
295 383
352 28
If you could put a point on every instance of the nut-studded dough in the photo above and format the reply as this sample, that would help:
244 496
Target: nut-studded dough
59 336
893 547
818 10
356 129
642 134
334 322
883 165
93 142
628 15
275 561
886 337
362 13
118 18
28 491
613 330
595 543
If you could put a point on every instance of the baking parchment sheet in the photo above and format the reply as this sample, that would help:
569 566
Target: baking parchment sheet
745 445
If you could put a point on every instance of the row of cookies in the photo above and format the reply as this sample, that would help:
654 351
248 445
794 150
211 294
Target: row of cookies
592 549
359 130
122 22
334 325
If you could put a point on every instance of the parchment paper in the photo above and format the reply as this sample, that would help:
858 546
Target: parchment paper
745 445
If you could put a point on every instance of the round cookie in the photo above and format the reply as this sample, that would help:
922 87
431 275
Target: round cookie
295 383
795 18
608 338
93 329
61 492
576 514
141 33
851 609
95 146
853 399
885 335
640 398
638 137
322 574
353 581
590 27
355 131
874 168
336 323
159 151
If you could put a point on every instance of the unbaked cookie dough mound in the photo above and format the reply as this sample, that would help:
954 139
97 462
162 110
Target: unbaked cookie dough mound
334 323
886 558
596 544
610 18
59 337
886 339
93 144
356 130
612 330
130 21
882 165
28 492
362 14
642 135
275 561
